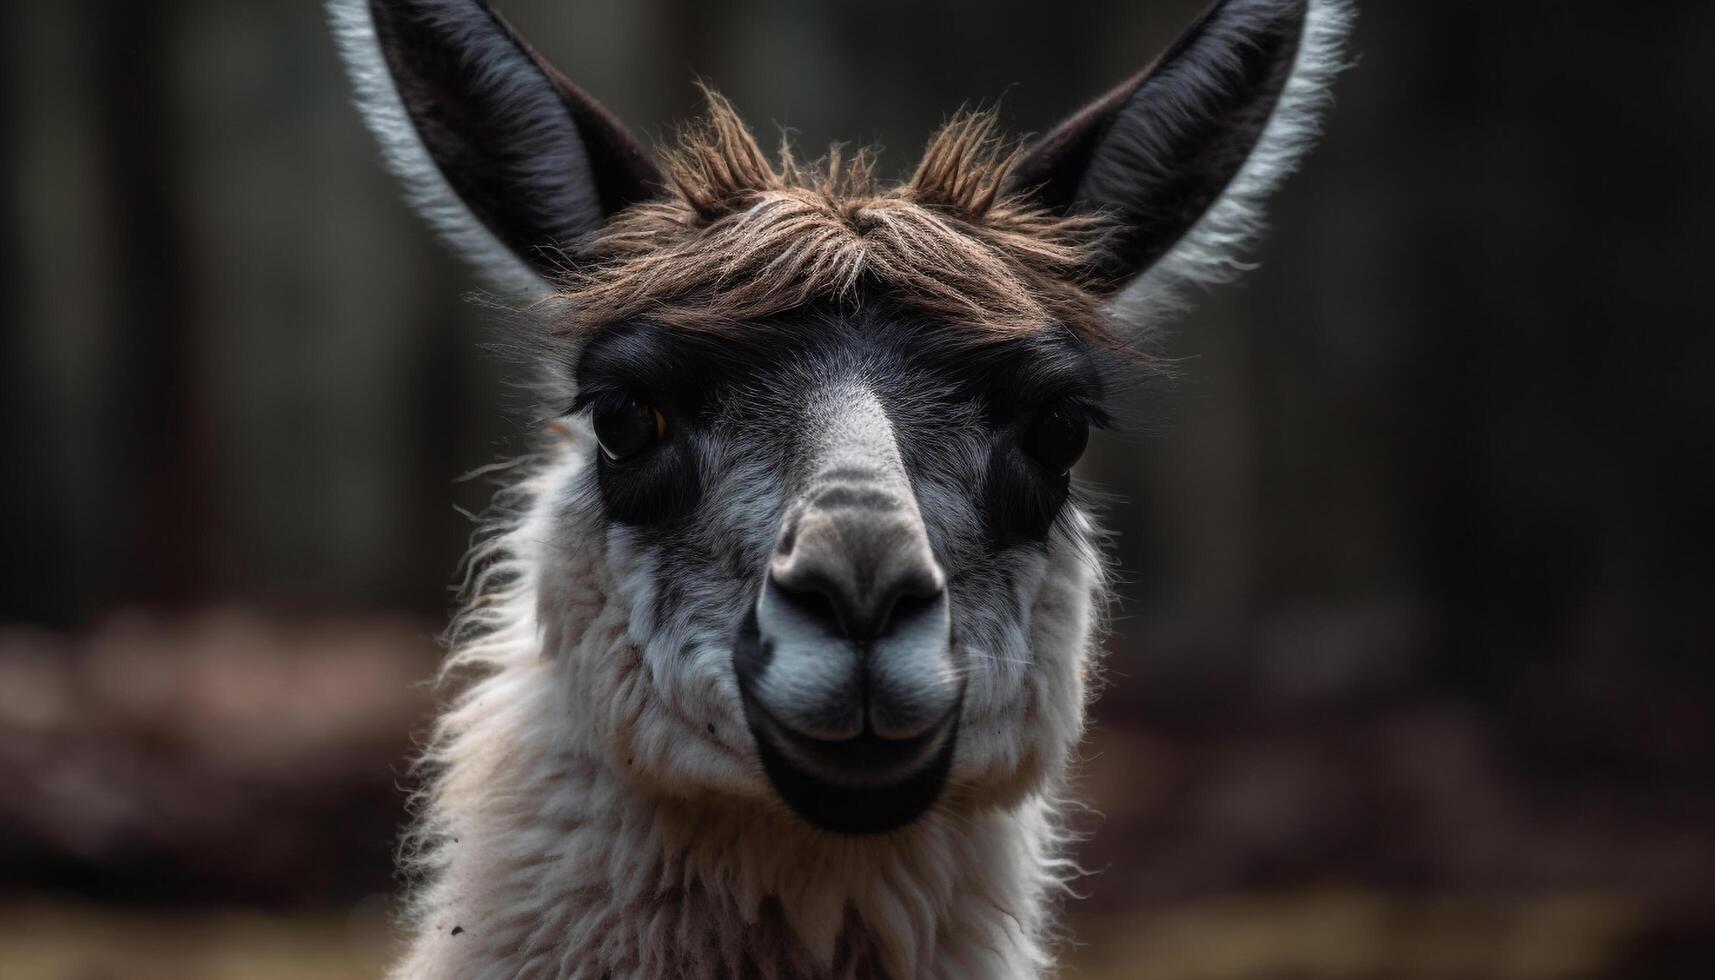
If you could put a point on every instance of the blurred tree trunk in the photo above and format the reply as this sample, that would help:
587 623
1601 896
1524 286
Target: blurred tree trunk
28 522
155 391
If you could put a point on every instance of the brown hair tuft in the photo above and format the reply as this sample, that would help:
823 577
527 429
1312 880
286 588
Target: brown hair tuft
737 238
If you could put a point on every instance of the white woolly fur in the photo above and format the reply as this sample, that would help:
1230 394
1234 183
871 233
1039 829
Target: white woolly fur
593 807
575 826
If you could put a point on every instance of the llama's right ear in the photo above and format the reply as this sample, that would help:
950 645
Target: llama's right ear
511 162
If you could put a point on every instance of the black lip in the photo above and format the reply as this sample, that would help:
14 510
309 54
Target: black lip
867 760
865 801
854 809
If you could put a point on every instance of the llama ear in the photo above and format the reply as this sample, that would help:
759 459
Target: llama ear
507 159
1182 155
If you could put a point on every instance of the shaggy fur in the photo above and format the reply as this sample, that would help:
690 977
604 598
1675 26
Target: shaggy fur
555 845
594 806
740 239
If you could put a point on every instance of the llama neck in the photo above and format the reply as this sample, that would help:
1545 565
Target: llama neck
550 862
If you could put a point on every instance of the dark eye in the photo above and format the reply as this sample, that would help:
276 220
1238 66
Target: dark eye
628 428
1057 438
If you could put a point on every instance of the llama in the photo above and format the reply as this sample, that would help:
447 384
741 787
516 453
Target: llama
775 663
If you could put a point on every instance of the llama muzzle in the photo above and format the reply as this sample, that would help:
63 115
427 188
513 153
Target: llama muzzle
846 662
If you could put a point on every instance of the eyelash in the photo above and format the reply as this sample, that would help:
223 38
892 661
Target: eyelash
603 395
1095 415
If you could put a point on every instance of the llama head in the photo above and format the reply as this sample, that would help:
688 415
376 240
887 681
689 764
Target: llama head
828 423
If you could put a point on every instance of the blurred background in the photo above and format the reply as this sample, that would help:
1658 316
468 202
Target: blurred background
1413 672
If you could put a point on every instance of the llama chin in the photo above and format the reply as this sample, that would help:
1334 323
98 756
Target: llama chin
774 659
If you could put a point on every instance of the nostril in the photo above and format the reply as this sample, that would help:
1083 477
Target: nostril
853 612
911 605
855 570
812 599
857 619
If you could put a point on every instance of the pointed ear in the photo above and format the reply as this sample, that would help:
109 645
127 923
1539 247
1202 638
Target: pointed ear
1183 154
507 159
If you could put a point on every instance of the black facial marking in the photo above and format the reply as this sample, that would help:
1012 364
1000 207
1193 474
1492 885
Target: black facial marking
1025 482
628 427
639 393
1056 438
1020 498
652 488
985 428
752 391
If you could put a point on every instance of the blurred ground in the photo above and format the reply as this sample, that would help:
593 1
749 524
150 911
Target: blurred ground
1338 935
66 941
226 756
214 796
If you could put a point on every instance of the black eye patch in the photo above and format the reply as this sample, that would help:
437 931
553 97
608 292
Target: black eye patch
637 357
684 369
654 488
1019 501
1013 377
1031 398
1041 395
649 476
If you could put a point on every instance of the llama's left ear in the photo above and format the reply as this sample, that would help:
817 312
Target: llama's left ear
507 159
1181 155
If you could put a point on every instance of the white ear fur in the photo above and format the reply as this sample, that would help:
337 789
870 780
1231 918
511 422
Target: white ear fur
426 188
1211 251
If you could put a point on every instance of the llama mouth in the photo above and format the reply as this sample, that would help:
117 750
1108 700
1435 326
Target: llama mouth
865 785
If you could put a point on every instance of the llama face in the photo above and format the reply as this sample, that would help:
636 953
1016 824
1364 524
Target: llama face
846 521
824 425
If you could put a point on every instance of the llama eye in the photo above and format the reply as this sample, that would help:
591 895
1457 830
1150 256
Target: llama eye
629 428
1057 438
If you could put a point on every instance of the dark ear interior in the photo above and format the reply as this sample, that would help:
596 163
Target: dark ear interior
1157 152
535 160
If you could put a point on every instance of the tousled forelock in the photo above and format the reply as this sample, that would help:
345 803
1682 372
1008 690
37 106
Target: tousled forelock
736 237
